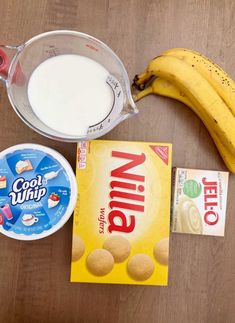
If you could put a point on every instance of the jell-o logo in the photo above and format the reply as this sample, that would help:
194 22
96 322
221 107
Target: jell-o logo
210 201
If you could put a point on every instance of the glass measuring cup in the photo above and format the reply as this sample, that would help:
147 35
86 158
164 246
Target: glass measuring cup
18 62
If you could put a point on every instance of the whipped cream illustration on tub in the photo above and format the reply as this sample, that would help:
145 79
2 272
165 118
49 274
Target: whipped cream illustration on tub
23 166
29 219
51 175
3 181
53 200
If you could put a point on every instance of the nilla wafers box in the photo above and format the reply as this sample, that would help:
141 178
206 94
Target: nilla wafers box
122 218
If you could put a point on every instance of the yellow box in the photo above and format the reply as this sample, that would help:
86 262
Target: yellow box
124 191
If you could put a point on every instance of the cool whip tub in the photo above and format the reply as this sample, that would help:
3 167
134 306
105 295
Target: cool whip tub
199 202
39 191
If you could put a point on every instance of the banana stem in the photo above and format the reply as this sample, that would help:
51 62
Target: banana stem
140 80
141 94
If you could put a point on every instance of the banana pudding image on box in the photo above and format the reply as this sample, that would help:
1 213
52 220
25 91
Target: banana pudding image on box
122 218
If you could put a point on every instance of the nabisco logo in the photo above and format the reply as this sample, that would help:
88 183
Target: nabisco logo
162 152
125 195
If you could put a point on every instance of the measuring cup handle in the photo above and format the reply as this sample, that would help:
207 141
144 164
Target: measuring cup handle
4 64
7 53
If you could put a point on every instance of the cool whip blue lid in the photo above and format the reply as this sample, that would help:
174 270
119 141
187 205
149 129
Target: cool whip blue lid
38 191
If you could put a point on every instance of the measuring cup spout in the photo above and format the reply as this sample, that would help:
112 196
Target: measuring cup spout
7 54
130 104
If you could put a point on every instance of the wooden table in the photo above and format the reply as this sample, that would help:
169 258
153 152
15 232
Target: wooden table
34 276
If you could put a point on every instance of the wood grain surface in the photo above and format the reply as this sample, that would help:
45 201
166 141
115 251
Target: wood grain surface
34 276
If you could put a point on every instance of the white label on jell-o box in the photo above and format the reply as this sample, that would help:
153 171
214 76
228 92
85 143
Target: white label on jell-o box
199 201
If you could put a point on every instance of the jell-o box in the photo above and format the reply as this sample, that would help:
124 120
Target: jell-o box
199 201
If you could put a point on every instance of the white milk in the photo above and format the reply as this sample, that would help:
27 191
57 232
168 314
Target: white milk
69 93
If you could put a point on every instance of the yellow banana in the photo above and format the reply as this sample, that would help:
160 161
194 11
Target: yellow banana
212 109
214 74
165 88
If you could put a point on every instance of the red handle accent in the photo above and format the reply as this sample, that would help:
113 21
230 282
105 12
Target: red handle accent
18 77
4 63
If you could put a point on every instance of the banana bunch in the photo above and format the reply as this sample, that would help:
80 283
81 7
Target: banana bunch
193 79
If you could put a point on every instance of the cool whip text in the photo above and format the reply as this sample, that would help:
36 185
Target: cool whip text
23 190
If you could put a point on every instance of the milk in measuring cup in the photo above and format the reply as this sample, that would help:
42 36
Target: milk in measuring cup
69 93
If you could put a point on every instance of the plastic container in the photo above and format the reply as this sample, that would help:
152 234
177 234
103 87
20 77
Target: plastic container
18 62
38 191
